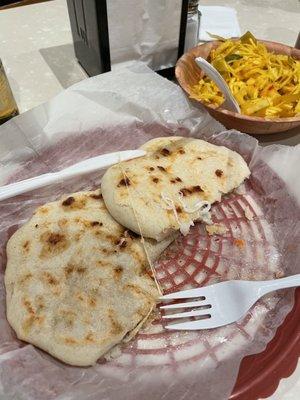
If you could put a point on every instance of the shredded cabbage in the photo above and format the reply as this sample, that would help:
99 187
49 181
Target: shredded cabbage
264 84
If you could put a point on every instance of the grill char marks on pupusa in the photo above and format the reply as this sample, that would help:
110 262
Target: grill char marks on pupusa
124 182
175 170
82 268
219 173
186 191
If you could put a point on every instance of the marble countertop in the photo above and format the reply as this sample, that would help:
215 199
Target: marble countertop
37 53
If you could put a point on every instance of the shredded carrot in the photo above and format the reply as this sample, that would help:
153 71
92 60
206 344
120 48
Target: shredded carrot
239 243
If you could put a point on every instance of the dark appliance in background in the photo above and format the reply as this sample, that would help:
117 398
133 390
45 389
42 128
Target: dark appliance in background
90 31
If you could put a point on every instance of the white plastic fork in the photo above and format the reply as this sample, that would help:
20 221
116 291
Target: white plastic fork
230 102
82 167
221 303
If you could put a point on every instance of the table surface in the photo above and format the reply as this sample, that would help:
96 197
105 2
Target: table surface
37 53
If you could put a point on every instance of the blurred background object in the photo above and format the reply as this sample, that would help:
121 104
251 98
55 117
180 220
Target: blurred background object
4 4
297 44
105 37
8 106
193 25
219 20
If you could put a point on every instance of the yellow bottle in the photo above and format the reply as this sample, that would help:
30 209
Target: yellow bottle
8 106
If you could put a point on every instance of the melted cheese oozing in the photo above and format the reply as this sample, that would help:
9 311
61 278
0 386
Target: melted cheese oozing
202 207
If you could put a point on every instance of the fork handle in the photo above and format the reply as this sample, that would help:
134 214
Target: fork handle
275 284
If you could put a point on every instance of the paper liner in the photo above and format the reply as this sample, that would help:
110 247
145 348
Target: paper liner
157 364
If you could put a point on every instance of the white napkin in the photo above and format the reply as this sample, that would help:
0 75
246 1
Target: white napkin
144 30
220 21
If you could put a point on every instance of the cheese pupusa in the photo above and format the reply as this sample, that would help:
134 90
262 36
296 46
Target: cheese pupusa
172 186
78 283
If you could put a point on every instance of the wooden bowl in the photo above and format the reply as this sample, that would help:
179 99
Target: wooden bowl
188 74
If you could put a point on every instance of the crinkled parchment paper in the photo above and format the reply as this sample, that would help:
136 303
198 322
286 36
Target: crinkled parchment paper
121 110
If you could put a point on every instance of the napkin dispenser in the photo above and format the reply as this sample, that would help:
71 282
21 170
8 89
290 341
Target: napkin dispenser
108 34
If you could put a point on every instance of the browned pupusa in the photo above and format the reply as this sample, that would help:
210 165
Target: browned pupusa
185 171
76 281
